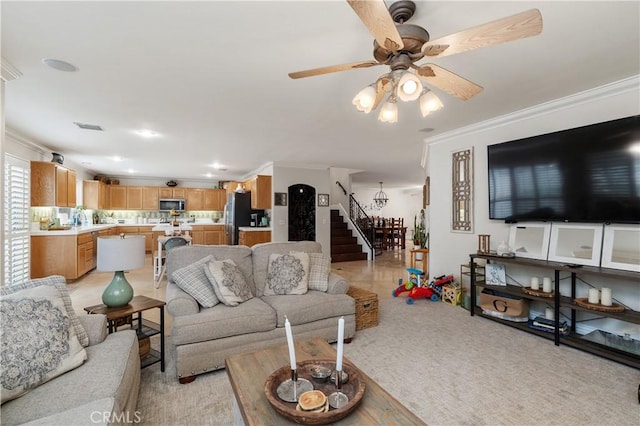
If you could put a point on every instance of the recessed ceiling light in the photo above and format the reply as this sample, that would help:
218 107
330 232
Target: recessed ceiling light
59 65
209 175
86 163
130 171
145 133
116 158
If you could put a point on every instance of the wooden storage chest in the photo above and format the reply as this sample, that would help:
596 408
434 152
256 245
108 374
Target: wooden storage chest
366 307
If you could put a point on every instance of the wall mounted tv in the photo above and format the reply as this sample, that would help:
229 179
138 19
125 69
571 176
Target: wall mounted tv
586 174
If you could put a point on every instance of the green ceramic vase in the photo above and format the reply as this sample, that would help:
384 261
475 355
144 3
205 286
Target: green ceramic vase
119 292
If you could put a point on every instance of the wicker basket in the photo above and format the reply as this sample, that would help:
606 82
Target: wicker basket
366 307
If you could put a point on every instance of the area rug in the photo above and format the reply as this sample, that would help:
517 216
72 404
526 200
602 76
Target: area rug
448 368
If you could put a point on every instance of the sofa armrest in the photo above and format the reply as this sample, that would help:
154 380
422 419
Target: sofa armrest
96 327
337 284
180 302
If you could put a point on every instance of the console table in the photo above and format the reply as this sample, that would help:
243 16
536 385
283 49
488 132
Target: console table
558 301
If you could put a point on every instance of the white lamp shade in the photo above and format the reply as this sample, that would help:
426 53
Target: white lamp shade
389 112
121 254
409 87
429 102
364 99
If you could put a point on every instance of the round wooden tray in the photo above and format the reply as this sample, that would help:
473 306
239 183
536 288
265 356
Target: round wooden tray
354 389
538 293
584 302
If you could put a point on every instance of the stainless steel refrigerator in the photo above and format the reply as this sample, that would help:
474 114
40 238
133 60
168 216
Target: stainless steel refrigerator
237 213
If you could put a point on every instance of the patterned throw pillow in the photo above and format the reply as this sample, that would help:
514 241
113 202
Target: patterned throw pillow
287 274
37 340
319 268
228 282
193 280
59 282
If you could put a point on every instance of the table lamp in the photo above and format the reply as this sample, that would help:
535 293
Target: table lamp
119 253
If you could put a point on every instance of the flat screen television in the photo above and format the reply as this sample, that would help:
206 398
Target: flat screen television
586 174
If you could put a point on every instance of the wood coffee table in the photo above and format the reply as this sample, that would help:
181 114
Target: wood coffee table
249 372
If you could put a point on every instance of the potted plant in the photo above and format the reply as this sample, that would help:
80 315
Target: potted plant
420 235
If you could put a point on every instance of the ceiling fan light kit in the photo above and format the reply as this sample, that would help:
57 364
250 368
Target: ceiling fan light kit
400 45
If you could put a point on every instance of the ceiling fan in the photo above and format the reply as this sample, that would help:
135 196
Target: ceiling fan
400 45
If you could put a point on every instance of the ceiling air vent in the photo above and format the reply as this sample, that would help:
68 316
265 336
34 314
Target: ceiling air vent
88 126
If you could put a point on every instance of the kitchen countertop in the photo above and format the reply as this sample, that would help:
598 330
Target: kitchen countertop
254 228
77 230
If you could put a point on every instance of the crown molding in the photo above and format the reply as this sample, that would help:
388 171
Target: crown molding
20 139
612 89
9 72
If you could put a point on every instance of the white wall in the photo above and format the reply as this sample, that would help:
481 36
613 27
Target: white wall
337 196
449 249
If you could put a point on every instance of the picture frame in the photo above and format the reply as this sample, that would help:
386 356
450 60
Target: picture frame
425 192
620 249
530 240
280 199
575 244
495 274
323 200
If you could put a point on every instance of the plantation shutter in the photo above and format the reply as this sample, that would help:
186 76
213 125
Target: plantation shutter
16 220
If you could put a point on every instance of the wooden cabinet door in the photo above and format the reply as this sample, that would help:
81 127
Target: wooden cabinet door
194 199
165 193
118 197
179 193
71 188
134 197
54 255
213 237
91 194
43 184
103 197
149 198
231 187
210 199
148 239
261 192
61 187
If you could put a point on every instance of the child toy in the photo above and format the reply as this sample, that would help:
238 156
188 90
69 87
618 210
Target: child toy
414 281
433 291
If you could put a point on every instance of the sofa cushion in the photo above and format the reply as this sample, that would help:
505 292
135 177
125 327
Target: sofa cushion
223 321
38 342
59 282
262 252
193 280
319 268
313 306
287 274
228 282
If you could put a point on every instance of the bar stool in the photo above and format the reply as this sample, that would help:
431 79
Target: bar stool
424 260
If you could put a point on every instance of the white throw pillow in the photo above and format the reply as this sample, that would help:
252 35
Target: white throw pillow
287 274
194 281
319 268
37 340
59 282
228 282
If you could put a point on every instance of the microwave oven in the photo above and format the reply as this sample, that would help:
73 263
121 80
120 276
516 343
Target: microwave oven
168 204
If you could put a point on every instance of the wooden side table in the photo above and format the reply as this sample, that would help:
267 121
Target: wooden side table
144 328
424 260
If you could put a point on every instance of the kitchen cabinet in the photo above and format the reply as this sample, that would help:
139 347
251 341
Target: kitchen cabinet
117 197
251 238
71 256
195 199
95 195
231 186
207 234
140 230
52 185
134 197
150 198
86 252
261 192
214 199
171 193
559 301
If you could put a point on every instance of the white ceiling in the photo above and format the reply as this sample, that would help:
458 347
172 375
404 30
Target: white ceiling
211 78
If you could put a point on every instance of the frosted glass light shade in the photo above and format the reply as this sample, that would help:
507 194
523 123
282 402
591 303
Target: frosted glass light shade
389 112
364 99
409 87
429 102
120 254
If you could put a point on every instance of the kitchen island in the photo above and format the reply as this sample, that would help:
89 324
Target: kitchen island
252 235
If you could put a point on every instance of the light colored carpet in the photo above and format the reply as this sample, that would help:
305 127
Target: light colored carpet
447 367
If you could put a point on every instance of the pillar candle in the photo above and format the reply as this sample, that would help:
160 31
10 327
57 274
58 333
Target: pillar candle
605 297
535 283
594 295
546 285
549 314
292 350
340 344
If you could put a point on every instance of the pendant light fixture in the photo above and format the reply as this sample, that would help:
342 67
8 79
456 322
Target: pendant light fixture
380 199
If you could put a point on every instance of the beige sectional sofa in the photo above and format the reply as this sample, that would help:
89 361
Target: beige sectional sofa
102 390
203 337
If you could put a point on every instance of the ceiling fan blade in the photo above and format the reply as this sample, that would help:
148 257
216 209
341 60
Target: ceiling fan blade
333 68
521 25
449 82
375 16
382 87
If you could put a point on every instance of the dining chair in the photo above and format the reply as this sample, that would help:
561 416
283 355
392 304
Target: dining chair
159 259
396 234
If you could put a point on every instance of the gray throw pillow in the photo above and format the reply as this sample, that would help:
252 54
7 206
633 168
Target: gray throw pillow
287 274
59 282
37 340
228 282
194 281
319 268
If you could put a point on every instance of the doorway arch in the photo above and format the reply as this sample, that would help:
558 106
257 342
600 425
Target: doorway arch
302 213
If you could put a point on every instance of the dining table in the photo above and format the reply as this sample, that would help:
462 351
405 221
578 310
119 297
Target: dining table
385 230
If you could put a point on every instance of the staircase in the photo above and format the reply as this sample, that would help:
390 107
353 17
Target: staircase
344 246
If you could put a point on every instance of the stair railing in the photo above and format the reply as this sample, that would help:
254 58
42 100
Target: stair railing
359 218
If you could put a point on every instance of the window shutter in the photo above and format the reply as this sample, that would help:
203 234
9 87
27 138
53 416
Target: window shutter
16 220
